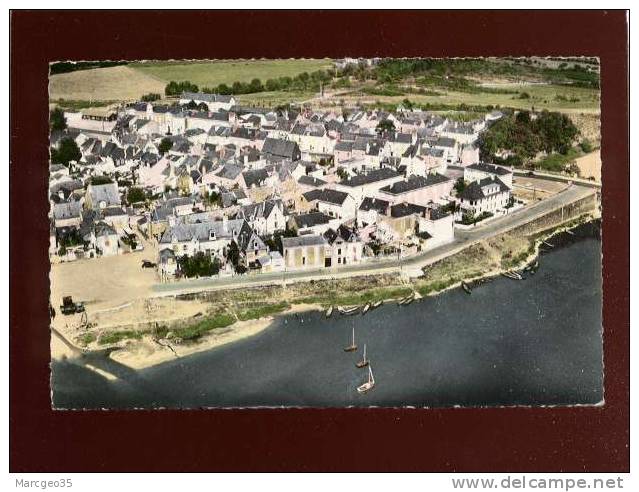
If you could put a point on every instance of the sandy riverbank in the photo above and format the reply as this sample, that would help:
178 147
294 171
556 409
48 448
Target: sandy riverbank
144 353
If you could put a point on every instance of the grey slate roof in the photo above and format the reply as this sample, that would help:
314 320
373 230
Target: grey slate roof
306 240
255 177
311 219
490 168
445 142
474 191
371 203
334 197
311 181
414 183
67 210
281 148
370 177
405 209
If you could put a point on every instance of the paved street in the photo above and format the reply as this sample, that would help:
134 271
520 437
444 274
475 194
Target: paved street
411 266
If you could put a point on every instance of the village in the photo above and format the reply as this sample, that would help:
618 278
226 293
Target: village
217 189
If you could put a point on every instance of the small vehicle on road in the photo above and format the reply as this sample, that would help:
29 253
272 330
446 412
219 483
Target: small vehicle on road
148 264
69 307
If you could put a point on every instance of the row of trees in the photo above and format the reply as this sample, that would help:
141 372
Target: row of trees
524 137
176 88
302 81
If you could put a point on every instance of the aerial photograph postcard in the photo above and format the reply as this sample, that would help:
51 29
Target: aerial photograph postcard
325 233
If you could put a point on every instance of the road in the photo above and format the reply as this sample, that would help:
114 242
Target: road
410 266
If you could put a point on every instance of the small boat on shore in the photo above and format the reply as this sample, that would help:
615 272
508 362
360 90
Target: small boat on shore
329 311
349 311
406 300
368 385
366 308
466 287
364 362
352 347
512 275
377 304
534 267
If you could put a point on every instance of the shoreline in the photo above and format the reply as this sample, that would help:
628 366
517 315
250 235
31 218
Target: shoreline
146 352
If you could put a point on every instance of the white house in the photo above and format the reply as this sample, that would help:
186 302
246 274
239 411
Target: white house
486 195
481 170
333 203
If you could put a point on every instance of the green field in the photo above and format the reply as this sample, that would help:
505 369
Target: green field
213 73
551 97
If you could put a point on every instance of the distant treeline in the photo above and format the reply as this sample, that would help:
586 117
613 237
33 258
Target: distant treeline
66 67
301 82
452 69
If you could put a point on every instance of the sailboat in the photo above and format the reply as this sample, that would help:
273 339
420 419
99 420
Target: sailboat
352 347
364 362
369 384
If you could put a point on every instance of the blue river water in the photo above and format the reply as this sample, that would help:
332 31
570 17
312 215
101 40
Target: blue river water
531 342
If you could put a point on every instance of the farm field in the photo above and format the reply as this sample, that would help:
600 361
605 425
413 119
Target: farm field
103 84
551 97
130 82
213 73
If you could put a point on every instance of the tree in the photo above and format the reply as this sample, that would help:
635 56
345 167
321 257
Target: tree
199 265
57 121
66 152
191 104
256 86
460 186
165 145
233 255
150 97
272 85
135 195
385 127
342 173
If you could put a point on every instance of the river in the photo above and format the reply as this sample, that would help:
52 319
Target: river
531 342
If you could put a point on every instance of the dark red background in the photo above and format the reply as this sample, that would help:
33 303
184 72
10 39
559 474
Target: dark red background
518 439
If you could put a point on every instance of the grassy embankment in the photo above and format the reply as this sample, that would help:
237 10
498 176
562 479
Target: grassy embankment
227 307
506 251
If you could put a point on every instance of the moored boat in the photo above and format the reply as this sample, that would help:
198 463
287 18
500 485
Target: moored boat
329 311
406 300
368 385
366 308
364 362
348 311
466 287
512 275
352 347
377 304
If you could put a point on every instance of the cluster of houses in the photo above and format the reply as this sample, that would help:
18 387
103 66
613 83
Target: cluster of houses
284 189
